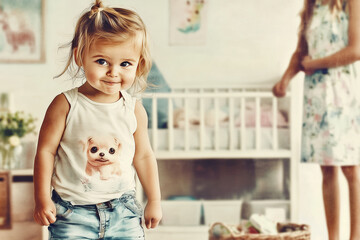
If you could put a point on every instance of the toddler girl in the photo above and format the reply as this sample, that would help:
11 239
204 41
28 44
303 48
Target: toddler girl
94 138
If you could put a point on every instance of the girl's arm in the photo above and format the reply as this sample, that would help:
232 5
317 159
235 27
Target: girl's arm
347 55
146 168
49 138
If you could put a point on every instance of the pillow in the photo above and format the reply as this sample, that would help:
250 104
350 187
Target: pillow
157 84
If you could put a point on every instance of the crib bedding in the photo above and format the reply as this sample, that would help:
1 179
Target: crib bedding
222 117
193 139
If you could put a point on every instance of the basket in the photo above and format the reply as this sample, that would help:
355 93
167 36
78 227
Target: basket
235 233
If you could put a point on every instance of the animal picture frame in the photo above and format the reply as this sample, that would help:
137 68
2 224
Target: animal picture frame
22 31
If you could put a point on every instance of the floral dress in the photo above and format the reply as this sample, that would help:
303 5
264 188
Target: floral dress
331 120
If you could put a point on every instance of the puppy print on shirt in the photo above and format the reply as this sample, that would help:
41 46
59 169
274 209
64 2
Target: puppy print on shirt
103 157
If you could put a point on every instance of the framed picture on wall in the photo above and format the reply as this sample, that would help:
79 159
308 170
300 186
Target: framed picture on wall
188 22
22 31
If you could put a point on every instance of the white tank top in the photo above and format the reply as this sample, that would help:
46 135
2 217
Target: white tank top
94 159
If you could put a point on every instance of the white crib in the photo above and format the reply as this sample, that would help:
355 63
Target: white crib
244 122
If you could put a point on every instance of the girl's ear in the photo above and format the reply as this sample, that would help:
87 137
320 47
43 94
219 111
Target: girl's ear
75 52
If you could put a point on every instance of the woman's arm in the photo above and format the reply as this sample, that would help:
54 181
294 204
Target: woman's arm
347 55
279 89
49 138
293 68
146 168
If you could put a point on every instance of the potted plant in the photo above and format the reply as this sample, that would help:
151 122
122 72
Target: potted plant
13 127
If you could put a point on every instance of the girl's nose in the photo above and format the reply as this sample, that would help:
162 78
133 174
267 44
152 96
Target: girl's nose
113 72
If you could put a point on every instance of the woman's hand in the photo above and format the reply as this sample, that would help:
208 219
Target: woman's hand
152 214
305 63
279 89
45 212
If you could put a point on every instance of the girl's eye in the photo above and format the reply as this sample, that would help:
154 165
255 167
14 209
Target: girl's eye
125 64
102 62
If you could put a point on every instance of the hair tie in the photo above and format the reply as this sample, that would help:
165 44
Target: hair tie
96 11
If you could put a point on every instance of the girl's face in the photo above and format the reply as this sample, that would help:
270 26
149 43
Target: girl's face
110 68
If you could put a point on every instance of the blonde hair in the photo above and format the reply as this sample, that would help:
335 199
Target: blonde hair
113 25
306 15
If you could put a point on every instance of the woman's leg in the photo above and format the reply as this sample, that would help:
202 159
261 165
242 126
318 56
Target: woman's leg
352 175
331 197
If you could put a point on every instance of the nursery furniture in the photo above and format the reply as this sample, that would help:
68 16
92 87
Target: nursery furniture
226 125
5 200
22 204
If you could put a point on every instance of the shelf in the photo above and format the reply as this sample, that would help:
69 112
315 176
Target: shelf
177 233
181 229
221 154
22 172
20 175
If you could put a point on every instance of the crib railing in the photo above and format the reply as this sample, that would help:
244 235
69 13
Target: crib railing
235 100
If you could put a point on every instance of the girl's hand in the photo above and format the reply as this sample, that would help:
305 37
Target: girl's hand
305 64
45 213
279 89
152 214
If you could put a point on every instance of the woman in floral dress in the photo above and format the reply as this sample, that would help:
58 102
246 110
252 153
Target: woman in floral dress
329 44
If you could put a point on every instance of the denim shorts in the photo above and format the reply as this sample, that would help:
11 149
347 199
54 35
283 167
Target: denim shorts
116 219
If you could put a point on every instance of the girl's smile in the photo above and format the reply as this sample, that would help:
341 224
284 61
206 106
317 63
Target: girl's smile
111 83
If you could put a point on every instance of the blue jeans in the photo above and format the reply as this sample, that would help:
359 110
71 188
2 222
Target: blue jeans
116 219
